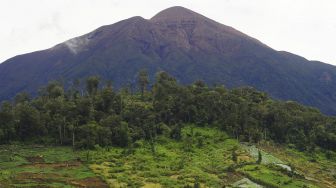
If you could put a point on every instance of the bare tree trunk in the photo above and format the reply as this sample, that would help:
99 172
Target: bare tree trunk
60 133
73 139
73 135
64 128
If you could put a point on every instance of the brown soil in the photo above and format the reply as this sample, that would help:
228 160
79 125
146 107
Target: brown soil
232 177
68 164
92 182
89 183
35 159
40 178
45 178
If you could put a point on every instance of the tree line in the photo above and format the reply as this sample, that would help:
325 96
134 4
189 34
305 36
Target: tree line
97 114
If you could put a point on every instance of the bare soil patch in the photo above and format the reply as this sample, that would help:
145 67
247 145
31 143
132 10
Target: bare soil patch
92 182
35 159
89 183
67 164
40 178
232 177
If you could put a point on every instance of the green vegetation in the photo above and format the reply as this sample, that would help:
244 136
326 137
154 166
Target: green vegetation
271 176
175 166
175 163
37 166
170 136
315 167
99 115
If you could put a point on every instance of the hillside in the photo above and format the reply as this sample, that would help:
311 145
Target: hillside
169 136
206 164
183 43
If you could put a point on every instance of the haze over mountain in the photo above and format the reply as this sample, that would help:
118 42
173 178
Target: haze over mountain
185 44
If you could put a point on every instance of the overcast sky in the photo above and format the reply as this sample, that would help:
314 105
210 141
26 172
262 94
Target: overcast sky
303 27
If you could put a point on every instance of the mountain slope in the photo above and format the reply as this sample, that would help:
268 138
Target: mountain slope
187 45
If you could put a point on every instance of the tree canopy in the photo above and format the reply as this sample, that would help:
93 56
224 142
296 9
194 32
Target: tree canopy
98 115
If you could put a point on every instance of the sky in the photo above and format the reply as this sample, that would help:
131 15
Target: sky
303 27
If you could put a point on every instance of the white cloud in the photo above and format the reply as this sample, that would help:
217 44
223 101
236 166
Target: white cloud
304 27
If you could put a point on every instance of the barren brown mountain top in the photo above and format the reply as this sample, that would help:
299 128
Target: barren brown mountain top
176 13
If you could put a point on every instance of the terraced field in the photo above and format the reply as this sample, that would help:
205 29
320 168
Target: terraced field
36 166
202 158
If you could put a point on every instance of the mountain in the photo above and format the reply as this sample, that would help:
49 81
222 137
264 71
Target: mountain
187 45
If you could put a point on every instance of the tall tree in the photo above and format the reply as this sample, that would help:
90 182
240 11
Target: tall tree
143 81
55 89
7 123
92 84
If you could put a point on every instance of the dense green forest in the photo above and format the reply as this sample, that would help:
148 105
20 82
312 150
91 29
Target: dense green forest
91 113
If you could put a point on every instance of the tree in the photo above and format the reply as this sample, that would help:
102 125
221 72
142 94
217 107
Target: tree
197 184
74 91
176 132
92 84
54 90
143 81
28 122
120 117
107 97
234 155
92 133
21 98
7 123
122 135
55 108
188 143
165 96
259 157
73 120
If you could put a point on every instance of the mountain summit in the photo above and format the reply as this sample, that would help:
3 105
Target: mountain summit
183 43
176 13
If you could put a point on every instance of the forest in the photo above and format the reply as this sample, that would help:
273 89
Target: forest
90 113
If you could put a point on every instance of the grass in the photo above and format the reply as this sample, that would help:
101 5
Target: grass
313 165
272 176
203 156
35 166
174 163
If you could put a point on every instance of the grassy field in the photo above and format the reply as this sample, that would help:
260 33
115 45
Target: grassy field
314 166
203 157
35 166
172 164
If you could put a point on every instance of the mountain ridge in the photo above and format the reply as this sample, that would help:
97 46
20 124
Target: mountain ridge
183 43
